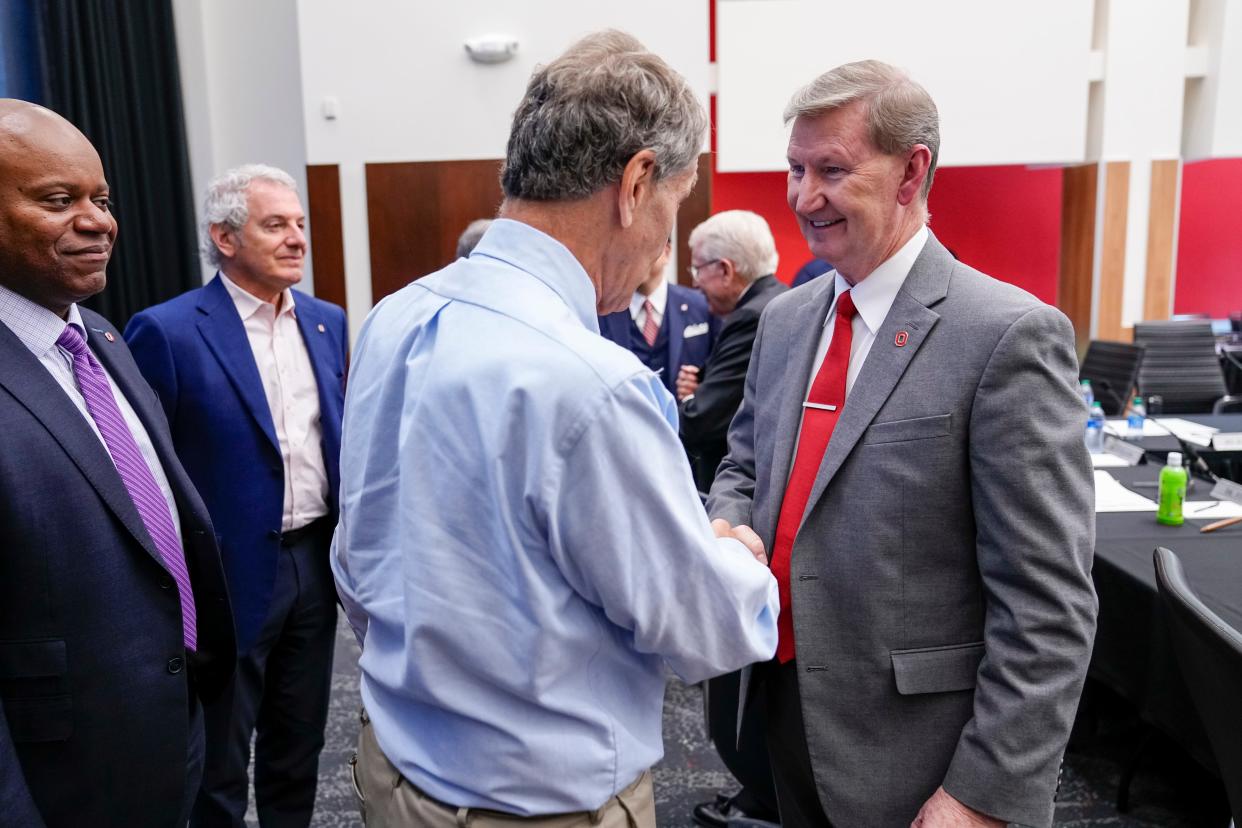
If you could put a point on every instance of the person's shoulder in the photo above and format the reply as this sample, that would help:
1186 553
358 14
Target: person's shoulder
97 322
313 303
694 299
782 299
179 307
985 297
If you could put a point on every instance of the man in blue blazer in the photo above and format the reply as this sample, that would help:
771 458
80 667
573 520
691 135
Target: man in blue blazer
667 326
251 375
114 617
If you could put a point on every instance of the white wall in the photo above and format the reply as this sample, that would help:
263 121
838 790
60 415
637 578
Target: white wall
1063 81
407 91
1213 126
241 82
1008 79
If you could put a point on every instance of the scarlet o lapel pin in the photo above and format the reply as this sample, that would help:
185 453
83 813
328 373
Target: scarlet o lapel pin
108 336
320 327
901 339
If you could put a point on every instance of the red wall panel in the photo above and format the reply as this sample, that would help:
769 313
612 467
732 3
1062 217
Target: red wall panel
1006 221
1209 244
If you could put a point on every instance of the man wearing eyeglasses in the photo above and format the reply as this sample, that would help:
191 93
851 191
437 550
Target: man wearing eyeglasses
732 260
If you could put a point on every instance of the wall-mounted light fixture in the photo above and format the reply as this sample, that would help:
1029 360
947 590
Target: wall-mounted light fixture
492 48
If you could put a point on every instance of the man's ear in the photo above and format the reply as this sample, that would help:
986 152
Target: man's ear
637 185
918 162
225 239
728 271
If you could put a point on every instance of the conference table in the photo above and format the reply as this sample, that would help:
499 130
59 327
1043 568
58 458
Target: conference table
1133 653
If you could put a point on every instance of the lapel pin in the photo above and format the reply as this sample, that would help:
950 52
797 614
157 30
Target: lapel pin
684 306
320 327
901 339
108 336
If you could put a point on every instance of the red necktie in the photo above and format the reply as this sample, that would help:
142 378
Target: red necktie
819 417
650 329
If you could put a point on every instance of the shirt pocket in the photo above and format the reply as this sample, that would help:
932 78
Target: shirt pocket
902 431
34 686
937 669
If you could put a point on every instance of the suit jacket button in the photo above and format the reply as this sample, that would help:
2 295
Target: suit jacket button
176 665
272 533
166 582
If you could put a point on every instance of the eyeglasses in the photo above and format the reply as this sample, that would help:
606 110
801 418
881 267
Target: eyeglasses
694 269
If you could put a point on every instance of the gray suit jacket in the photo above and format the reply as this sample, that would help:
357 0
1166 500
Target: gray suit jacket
942 596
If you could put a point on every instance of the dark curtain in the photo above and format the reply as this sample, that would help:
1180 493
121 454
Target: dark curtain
110 67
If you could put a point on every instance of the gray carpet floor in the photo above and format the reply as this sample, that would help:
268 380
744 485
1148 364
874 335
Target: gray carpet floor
1165 792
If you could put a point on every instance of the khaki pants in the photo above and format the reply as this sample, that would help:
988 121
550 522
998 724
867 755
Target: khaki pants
386 799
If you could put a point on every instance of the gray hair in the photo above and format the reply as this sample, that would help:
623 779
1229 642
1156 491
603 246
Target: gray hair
900 113
226 201
471 235
587 113
740 236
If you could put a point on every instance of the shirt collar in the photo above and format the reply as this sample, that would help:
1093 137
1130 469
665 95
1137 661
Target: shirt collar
248 304
657 297
546 259
874 295
36 326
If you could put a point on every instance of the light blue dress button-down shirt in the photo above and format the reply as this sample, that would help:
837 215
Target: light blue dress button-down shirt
521 547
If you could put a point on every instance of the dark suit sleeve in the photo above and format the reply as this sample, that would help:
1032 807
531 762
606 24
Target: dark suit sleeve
19 809
705 417
1034 504
153 354
733 490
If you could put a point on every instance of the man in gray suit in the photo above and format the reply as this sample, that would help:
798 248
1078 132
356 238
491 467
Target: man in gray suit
910 450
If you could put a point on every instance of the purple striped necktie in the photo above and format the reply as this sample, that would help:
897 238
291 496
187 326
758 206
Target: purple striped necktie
135 474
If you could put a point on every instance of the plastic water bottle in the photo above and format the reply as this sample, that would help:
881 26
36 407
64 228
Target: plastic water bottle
1134 420
1172 491
1084 389
1095 429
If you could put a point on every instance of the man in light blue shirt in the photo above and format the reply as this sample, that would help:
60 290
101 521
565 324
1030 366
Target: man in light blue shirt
521 547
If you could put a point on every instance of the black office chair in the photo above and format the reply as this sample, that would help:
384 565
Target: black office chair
1210 654
1113 368
1228 405
1180 365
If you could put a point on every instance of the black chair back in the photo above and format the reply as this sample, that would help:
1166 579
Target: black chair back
1113 368
1210 654
1180 365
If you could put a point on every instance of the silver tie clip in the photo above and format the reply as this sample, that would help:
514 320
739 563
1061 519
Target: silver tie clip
820 406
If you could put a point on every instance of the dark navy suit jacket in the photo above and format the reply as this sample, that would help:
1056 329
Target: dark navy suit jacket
194 352
94 708
685 310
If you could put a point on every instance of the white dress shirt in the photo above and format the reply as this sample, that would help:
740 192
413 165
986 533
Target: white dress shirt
293 398
658 299
38 329
873 297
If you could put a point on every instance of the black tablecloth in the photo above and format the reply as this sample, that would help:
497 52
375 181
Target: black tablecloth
1133 654
1227 464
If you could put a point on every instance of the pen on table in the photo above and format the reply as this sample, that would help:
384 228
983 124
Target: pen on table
1221 524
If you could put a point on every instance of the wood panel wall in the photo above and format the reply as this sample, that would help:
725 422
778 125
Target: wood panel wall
693 211
416 211
1078 200
1161 227
327 244
1113 252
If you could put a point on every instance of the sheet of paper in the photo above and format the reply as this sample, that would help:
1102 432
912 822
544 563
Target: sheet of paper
1120 428
1107 460
1194 433
1210 509
1227 442
1111 496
